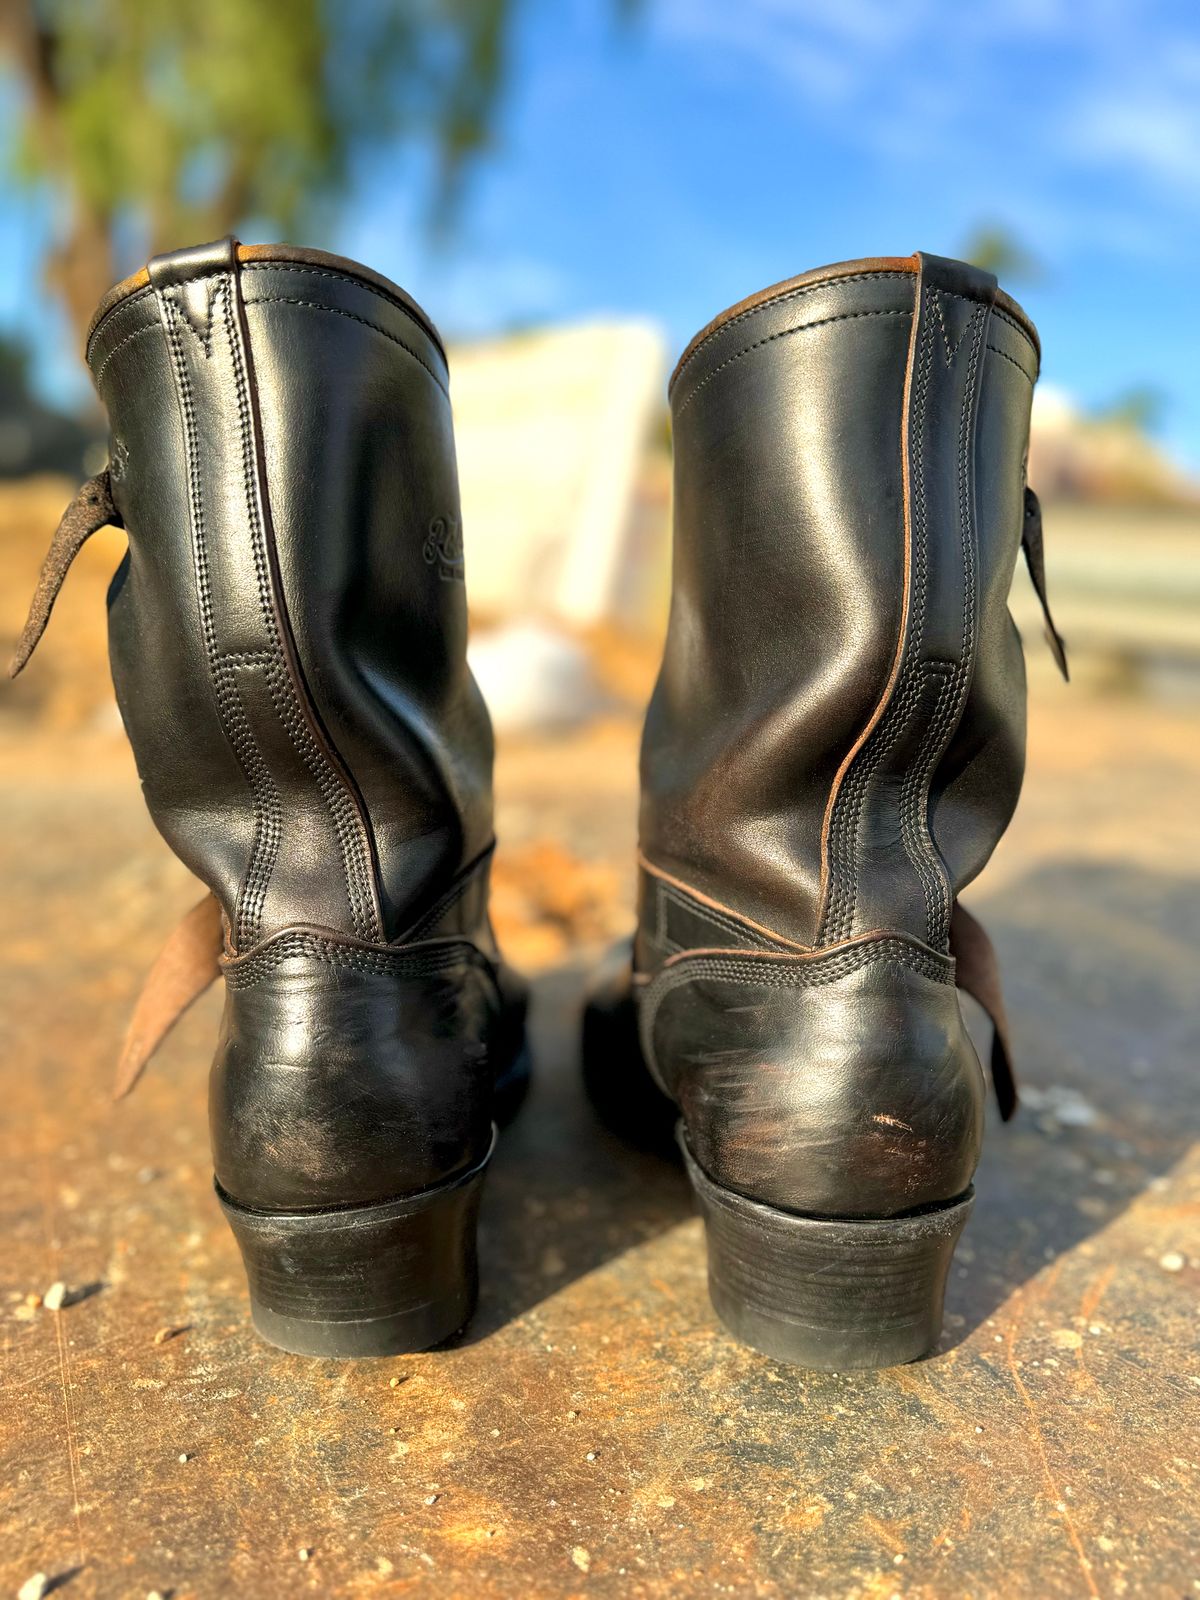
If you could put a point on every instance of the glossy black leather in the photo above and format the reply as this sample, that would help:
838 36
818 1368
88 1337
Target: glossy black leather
840 1085
288 644
836 739
347 1074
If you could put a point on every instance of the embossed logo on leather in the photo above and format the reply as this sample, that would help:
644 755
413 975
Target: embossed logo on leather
443 549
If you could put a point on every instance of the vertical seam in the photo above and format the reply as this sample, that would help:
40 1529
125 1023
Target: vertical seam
240 737
268 827
905 690
832 831
284 690
939 932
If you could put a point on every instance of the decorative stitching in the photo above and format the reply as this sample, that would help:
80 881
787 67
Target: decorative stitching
939 928
804 327
342 812
150 327
113 311
268 816
203 337
807 972
753 970
1012 361
249 476
243 971
284 693
951 349
1006 316
914 837
452 895
668 894
337 311
402 306
229 709
838 919
775 300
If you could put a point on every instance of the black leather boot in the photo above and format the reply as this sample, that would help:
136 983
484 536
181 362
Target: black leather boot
288 644
833 749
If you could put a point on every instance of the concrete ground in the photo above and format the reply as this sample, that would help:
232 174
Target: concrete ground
595 1433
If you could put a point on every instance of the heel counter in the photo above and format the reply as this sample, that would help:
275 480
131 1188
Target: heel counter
842 1084
348 1076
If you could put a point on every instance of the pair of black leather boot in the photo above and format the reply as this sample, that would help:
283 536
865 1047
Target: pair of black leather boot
832 751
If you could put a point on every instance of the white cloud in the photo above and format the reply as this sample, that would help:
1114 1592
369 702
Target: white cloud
1030 95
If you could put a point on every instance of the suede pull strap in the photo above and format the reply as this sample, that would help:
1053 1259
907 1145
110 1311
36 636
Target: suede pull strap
1035 560
187 964
977 973
91 508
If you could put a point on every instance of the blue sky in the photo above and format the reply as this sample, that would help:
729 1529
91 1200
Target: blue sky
672 166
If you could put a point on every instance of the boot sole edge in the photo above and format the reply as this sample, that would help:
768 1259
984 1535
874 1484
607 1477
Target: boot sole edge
826 1294
386 1279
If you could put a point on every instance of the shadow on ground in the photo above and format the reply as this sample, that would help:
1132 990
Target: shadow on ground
1100 964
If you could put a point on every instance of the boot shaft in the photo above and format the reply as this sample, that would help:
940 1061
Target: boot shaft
835 743
288 632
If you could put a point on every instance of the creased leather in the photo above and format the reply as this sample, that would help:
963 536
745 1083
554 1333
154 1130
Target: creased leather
287 447
288 641
836 740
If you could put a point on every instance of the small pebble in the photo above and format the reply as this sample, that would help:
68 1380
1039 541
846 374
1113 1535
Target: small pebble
432 1499
1171 1262
184 1456
164 1334
156 1594
34 1588
591 1455
304 1553
581 1558
55 1297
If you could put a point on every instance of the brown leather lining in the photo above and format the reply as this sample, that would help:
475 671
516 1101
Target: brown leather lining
284 254
839 269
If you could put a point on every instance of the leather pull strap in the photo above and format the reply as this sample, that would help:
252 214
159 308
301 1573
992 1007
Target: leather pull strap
186 966
977 973
91 508
1035 560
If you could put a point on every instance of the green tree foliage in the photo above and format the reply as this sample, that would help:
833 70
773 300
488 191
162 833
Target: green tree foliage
996 249
155 123
1141 409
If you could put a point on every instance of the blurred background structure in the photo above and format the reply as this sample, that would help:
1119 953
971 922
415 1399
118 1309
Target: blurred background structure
571 188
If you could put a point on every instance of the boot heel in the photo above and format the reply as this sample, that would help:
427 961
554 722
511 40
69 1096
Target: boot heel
375 1280
822 1293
